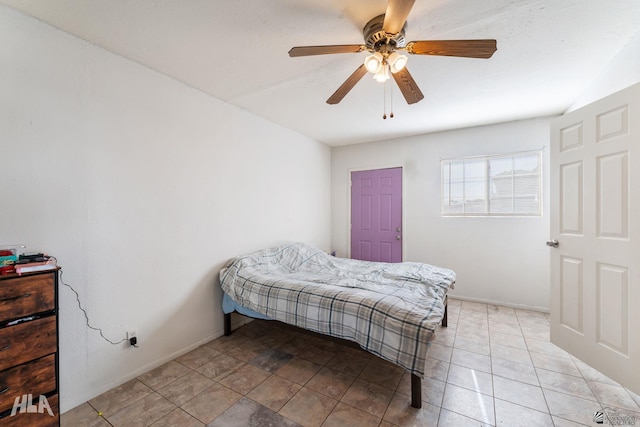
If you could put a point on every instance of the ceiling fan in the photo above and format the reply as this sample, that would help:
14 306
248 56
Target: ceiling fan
384 39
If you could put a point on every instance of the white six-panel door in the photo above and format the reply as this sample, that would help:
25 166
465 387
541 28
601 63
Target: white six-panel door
595 216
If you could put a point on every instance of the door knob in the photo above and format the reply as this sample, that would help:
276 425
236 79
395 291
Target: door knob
553 243
398 229
397 237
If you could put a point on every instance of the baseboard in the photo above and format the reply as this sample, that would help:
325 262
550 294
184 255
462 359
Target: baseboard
503 303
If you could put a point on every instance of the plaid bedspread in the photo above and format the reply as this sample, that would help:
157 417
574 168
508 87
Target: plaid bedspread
391 310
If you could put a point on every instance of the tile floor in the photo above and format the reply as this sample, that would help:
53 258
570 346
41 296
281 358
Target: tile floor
493 365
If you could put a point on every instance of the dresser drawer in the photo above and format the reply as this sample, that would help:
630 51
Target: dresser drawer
34 419
26 295
27 341
36 377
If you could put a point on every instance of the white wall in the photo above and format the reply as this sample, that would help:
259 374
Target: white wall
501 260
622 72
142 188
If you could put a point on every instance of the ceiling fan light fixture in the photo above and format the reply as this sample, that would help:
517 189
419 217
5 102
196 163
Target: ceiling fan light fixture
373 63
383 74
397 62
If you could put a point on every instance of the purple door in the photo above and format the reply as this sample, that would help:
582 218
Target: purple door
376 215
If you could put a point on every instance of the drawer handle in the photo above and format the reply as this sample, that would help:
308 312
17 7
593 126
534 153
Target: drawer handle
6 347
28 294
4 390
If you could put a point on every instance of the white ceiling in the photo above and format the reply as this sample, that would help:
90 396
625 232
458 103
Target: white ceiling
549 51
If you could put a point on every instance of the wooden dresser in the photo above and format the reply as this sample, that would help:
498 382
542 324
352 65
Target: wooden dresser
29 349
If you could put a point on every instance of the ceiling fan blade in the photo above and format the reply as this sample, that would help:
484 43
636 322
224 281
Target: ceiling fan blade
408 86
323 50
347 85
396 15
465 48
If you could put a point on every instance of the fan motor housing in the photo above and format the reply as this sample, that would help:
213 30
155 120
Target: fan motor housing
375 36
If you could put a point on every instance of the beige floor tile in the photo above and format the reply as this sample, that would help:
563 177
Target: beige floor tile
590 374
247 350
345 415
368 397
506 328
143 412
565 383
348 363
270 359
613 395
469 403
177 417
197 357
474 306
508 340
511 319
561 422
492 308
440 352
298 370
512 354
330 383
512 415
436 369
83 415
224 344
545 347
553 363
453 419
470 327
244 379
474 344
219 367
247 413
274 392
519 393
472 360
515 371
317 355
571 408
382 373
164 374
471 379
536 332
212 402
401 413
185 388
445 339
308 408
120 397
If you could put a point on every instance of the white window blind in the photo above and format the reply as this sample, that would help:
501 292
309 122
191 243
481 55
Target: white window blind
496 185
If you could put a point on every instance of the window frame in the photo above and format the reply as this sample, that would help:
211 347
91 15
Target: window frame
446 198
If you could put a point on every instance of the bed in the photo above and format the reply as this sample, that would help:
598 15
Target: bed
390 310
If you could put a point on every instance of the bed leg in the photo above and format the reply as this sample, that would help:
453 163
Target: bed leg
416 391
227 324
444 318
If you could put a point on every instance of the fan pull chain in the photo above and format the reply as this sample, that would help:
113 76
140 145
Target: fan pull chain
391 98
384 102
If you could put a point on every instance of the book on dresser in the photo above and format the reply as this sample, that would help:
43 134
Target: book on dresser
29 380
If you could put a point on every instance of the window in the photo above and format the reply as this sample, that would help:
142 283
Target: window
497 185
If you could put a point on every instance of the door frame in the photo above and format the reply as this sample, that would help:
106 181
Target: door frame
402 195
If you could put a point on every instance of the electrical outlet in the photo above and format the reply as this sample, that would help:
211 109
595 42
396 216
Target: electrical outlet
132 338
